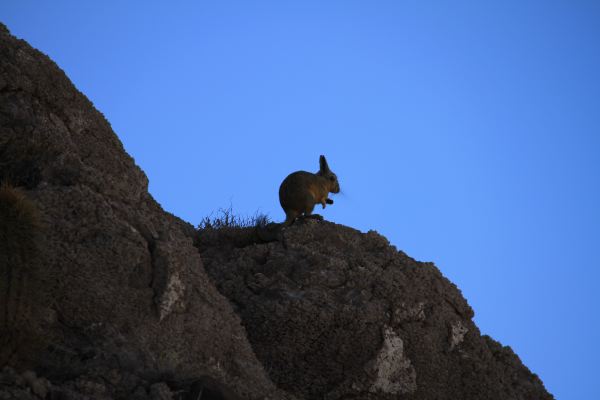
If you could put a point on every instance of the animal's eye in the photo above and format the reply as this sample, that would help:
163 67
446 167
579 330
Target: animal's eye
332 178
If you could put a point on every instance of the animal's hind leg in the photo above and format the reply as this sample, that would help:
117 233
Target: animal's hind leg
290 217
308 213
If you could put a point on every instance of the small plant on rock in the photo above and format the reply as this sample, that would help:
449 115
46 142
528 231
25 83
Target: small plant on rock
226 218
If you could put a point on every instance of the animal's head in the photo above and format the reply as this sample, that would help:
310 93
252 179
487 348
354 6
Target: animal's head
325 172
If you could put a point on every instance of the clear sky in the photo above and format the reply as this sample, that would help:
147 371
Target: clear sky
467 132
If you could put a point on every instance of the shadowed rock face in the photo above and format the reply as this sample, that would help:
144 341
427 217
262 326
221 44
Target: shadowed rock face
130 303
130 312
338 314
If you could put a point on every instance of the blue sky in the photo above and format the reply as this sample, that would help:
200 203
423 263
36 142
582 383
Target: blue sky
468 133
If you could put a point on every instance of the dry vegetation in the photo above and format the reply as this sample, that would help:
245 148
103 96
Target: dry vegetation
226 218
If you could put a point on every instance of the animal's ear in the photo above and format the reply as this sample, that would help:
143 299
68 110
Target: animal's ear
323 167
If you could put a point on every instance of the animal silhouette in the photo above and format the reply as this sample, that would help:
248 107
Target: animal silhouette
300 191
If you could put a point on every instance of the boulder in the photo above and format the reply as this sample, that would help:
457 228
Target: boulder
333 313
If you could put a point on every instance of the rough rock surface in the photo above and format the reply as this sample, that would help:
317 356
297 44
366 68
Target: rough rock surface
130 303
125 309
334 313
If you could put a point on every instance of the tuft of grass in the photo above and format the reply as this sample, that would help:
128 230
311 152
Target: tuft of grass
226 218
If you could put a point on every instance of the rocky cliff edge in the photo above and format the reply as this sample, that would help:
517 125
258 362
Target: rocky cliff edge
105 295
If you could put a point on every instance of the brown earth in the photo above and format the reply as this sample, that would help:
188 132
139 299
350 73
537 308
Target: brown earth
105 295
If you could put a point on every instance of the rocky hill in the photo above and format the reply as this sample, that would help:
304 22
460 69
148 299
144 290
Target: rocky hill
105 295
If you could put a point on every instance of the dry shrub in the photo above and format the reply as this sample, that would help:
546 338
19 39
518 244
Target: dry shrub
241 231
226 218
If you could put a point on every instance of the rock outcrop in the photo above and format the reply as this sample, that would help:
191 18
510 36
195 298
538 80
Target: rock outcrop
124 300
130 305
333 313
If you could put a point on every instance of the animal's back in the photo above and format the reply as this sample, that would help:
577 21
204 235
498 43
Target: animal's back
295 191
